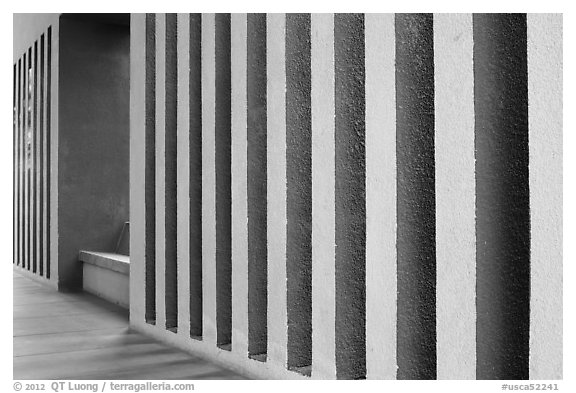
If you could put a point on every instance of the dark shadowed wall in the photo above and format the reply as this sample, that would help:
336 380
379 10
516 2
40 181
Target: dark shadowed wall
93 140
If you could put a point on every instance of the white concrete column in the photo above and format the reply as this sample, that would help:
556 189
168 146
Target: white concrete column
276 143
45 163
208 180
27 177
380 197
37 165
455 197
160 170
54 142
21 163
183 173
238 29
323 198
545 135
137 167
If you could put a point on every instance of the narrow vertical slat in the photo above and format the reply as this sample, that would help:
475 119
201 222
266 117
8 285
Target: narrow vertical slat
222 160
545 135
21 171
160 170
139 86
239 186
37 157
183 164
350 184
19 189
298 189
257 187
416 238
149 162
276 133
33 160
26 130
52 99
380 197
171 173
208 180
15 165
42 128
195 179
455 196
323 219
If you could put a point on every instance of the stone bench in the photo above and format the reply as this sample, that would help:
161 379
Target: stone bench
106 275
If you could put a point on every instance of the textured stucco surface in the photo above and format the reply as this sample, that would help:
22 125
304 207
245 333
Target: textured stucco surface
238 27
149 175
455 196
323 199
257 187
380 197
160 173
222 133
170 171
209 288
276 149
416 242
350 207
298 153
502 196
545 134
195 173
140 299
93 141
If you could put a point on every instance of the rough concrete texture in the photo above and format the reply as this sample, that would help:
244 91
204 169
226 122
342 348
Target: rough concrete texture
323 199
160 175
183 134
416 249
380 197
276 148
545 135
195 173
502 196
149 165
170 179
239 152
222 127
209 301
455 196
257 195
350 208
93 141
298 141
140 296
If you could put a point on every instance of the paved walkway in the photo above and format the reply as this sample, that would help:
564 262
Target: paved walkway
78 336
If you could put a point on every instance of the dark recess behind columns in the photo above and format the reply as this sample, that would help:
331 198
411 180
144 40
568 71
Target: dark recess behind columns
48 144
150 169
350 193
416 213
223 182
256 183
299 189
502 196
171 143
195 92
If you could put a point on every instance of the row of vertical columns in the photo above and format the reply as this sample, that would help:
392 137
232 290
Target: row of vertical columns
326 222
32 109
